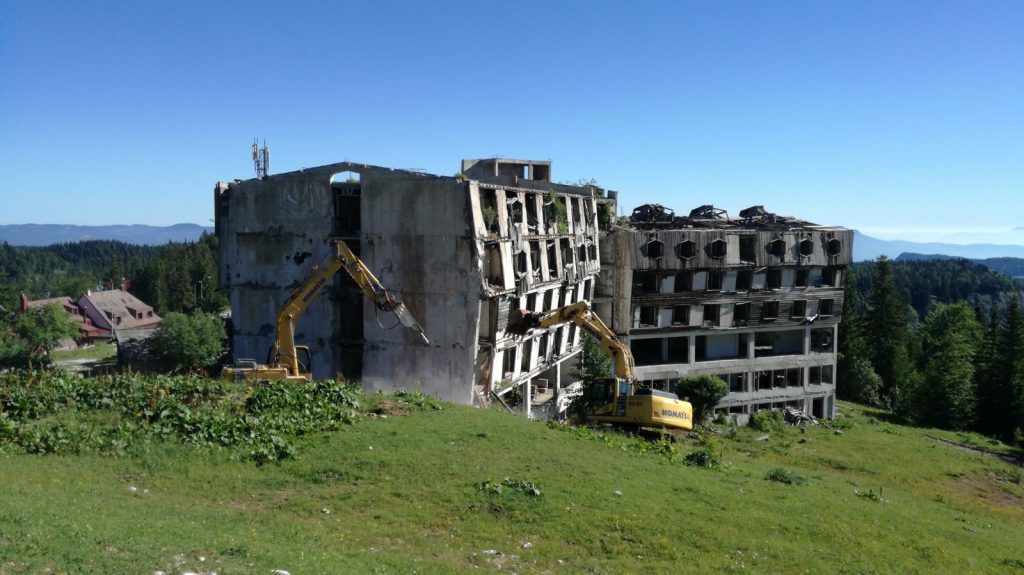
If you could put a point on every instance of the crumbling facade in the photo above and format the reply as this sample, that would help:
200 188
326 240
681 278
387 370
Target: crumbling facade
461 252
755 300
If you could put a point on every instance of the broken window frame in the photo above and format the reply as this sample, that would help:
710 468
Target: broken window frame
799 309
686 250
802 277
744 279
712 316
741 314
681 315
718 249
770 310
826 307
715 281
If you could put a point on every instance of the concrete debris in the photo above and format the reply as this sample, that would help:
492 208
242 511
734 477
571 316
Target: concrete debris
762 438
794 416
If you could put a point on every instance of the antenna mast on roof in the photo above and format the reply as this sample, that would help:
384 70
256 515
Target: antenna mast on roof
260 158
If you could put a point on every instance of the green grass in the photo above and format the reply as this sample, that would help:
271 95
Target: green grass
94 352
417 491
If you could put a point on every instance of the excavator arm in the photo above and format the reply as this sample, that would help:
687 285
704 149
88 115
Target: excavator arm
284 351
581 314
619 402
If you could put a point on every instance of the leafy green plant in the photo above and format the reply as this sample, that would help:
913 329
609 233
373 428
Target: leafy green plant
188 343
604 215
490 217
703 392
704 457
765 420
781 475
557 212
262 422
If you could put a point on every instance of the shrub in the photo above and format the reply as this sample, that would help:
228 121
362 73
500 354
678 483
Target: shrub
703 392
703 457
765 420
188 343
780 475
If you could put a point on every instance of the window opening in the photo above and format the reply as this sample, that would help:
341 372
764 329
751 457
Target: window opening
645 282
748 251
715 280
687 249
806 247
648 316
802 276
744 280
741 313
681 315
712 313
718 249
684 282
653 249
825 307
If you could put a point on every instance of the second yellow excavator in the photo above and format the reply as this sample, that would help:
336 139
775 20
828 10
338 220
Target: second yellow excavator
619 400
290 362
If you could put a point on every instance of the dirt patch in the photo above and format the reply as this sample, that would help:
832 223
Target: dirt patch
389 407
990 487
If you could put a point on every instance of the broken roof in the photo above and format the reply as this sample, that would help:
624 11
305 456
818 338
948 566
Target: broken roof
754 218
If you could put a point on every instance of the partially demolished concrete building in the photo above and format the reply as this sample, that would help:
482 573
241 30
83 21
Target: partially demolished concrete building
459 251
755 300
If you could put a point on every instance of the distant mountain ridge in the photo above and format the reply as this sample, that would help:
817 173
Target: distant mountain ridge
869 248
48 234
1012 267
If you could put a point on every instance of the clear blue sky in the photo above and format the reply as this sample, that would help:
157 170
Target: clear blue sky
874 115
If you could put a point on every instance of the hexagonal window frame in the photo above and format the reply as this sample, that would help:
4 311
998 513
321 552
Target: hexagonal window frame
718 249
686 249
834 247
806 247
777 248
658 250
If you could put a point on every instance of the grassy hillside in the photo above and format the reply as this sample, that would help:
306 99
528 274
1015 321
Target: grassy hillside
424 490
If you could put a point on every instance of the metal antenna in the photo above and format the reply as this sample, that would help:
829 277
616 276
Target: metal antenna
260 158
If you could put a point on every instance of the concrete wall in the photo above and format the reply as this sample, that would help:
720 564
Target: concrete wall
414 236
417 240
271 232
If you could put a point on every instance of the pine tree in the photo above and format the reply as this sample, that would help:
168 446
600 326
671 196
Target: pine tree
1008 375
856 380
887 331
945 395
989 393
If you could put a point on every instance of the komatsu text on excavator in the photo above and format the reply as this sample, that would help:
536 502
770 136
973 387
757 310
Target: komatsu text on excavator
620 400
287 361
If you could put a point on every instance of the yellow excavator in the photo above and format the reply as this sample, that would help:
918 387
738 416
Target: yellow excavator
290 362
619 400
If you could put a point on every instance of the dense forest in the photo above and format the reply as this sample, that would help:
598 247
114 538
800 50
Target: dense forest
179 277
1012 267
922 282
940 343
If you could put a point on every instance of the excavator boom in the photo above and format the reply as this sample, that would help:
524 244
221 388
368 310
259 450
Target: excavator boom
284 354
618 401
